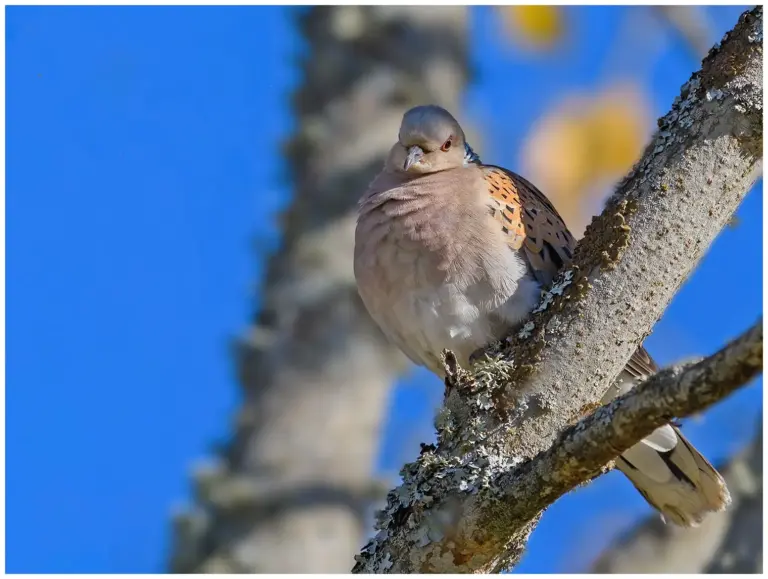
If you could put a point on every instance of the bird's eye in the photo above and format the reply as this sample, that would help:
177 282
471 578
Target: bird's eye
446 145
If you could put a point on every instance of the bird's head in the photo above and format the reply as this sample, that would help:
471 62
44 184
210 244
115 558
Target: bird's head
430 140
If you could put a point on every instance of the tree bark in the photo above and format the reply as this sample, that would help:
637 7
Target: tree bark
291 492
726 542
459 508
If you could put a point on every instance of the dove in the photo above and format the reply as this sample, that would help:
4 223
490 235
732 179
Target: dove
451 253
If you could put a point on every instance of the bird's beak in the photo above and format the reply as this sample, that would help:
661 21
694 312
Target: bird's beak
415 154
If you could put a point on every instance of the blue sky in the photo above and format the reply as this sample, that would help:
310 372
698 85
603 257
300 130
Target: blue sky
142 169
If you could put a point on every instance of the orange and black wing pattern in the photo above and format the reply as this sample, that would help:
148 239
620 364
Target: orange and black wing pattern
532 224
530 221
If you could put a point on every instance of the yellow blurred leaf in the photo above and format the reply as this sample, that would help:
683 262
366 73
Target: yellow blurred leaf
582 146
618 119
538 27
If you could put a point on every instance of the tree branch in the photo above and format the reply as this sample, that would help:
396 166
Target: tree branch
469 503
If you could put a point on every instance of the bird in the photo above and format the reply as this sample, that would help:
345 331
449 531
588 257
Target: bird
451 253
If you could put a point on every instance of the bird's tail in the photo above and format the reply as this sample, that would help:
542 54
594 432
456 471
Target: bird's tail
674 477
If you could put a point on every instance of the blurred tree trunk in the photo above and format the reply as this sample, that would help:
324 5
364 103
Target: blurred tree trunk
293 490
727 542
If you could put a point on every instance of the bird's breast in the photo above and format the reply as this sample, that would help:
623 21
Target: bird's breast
433 282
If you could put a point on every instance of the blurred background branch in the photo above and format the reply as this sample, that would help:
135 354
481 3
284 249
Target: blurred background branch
691 25
293 491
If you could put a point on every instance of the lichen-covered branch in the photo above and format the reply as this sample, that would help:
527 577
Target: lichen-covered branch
518 399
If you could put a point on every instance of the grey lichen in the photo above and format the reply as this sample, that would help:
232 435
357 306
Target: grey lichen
527 329
715 94
563 280
467 460
419 503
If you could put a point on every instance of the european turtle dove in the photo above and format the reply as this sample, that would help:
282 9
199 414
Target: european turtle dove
451 253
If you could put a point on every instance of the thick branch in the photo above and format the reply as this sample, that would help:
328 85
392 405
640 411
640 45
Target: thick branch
446 516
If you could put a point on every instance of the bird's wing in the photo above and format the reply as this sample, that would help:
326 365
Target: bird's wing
530 221
532 224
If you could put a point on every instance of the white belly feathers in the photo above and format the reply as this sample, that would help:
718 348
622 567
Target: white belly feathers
459 314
